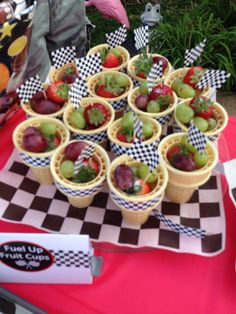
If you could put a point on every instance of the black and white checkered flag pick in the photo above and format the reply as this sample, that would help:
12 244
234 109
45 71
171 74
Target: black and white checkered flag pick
144 153
63 56
196 138
155 73
117 37
141 37
138 127
89 65
213 78
30 87
191 55
78 91
86 153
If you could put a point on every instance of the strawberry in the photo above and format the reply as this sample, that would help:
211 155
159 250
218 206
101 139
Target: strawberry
172 152
96 114
142 75
92 163
163 94
143 65
111 86
145 187
102 92
193 76
111 61
124 137
202 107
58 92
57 140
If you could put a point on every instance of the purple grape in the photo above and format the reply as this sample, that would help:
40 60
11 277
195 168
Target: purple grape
141 102
45 106
35 143
73 150
124 177
69 78
30 131
183 162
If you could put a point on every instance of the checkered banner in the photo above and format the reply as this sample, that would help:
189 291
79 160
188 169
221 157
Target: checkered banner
197 138
77 91
30 87
138 127
191 55
86 153
117 37
155 73
63 56
213 78
77 259
89 65
141 37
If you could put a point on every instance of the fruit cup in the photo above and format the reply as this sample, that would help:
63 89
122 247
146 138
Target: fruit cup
182 184
67 73
122 57
39 161
136 209
138 78
119 143
217 113
98 83
80 195
77 121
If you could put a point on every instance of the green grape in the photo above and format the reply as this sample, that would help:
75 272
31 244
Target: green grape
143 171
200 123
77 120
135 170
116 52
122 81
127 121
147 129
212 123
200 159
67 169
184 113
176 83
48 128
153 106
186 91
153 177
190 147
143 88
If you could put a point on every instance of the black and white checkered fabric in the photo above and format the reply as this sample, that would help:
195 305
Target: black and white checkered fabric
141 37
89 65
86 153
164 120
117 37
176 128
96 138
136 83
77 91
133 205
63 56
80 193
144 153
191 55
138 127
77 259
117 150
192 232
213 138
119 104
155 73
213 78
196 138
30 87
35 161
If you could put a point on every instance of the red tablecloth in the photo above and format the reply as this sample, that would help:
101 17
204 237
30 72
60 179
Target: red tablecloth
155 281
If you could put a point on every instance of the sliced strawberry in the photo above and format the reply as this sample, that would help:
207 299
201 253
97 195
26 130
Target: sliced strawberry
92 163
102 92
145 187
96 114
111 61
58 92
123 138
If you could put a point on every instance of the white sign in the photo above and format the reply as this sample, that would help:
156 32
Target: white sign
45 258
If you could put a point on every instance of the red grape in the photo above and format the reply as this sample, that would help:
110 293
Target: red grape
124 177
35 143
141 102
183 162
73 150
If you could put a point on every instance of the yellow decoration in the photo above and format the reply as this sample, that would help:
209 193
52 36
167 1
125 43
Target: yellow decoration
17 46
6 30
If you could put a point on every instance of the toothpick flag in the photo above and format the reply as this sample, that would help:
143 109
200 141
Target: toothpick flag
30 87
63 56
86 153
117 37
196 138
77 91
155 73
141 37
191 55
89 65
213 78
138 127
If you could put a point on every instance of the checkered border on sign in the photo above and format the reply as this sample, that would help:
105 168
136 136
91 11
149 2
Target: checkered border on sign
83 193
119 104
96 138
77 259
35 161
133 205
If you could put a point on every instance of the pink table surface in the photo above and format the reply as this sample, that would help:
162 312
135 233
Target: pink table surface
152 281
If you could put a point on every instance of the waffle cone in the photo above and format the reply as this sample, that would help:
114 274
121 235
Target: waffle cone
131 69
180 73
84 103
42 174
131 102
220 115
182 184
57 74
124 55
101 157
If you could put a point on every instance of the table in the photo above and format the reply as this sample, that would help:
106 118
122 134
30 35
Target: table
142 281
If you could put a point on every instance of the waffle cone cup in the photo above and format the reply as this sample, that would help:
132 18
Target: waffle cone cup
57 74
131 69
182 184
180 73
90 135
124 55
92 85
145 202
116 126
220 115
41 173
131 102
80 194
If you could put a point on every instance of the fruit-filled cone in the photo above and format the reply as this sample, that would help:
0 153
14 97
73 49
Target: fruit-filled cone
182 184
67 73
213 120
80 195
140 75
91 121
112 58
116 81
136 209
184 92
39 160
118 141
